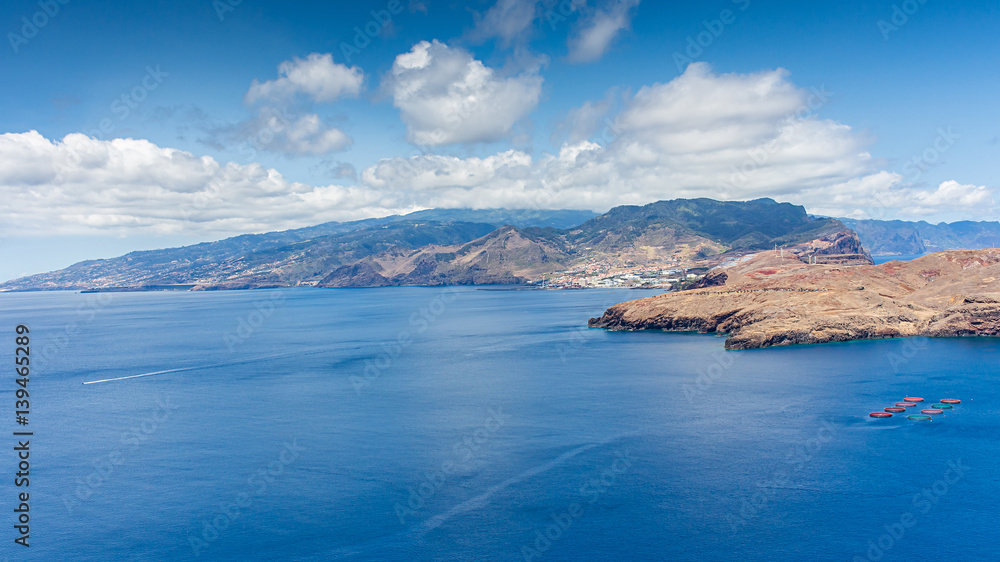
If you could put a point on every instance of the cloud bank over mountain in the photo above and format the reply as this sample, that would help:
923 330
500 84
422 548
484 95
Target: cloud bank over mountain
702 134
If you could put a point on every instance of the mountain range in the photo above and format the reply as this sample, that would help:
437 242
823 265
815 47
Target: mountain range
498 246
465 246
902 238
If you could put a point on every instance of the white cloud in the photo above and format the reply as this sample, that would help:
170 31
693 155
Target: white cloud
319 79
953 193
308 135
507 20
316 76
733 136
597 32
280 131
445 96
886 198
84 185
730 136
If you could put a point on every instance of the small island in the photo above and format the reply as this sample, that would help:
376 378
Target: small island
769 299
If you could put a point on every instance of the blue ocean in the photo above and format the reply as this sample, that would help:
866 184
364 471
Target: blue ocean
399 424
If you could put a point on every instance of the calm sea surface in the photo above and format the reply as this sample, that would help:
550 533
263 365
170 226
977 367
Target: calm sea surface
469 424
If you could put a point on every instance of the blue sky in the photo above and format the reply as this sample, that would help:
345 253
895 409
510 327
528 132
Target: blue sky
247 116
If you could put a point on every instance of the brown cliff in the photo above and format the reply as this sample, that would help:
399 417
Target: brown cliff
768 300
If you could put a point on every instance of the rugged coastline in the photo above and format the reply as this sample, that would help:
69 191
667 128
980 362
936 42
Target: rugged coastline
770 300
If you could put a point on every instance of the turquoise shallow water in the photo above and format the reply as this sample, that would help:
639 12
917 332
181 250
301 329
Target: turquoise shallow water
465 424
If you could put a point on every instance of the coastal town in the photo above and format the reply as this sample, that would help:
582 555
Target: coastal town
620 274
675 274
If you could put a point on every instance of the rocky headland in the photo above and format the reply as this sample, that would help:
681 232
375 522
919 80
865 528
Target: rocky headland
766 299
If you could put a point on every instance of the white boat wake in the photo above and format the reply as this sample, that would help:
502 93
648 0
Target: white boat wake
199 367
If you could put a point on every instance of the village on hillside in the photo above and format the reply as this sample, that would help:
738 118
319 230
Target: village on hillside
627 274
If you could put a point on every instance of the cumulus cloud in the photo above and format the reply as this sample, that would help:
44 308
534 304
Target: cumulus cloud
598 31
278 131
307 135
81 184
445 96
884 196
507 20
729 136
315 76
951 192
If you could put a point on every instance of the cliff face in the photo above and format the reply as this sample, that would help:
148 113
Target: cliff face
769 300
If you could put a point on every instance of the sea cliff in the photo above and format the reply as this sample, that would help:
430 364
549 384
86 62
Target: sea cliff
767 300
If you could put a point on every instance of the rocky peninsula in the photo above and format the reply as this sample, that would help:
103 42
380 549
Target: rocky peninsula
768 299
